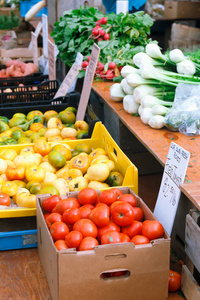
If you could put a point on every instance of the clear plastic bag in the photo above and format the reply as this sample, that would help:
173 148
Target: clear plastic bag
184 116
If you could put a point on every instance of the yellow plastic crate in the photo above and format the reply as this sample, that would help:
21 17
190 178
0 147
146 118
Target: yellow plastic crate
100 139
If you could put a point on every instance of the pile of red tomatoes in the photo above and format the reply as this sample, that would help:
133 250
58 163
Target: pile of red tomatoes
91 220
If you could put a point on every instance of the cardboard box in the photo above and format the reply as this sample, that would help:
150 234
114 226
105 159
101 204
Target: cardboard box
8 44
182 9
77 274
23 54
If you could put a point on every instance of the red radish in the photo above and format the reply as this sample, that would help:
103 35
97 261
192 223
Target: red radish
100 66
101 32
99 39
95 31
88 59
103 20
106 36
111 65
109 74
84 64
98 22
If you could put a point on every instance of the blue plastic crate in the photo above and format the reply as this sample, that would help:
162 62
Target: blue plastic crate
18 239
26 5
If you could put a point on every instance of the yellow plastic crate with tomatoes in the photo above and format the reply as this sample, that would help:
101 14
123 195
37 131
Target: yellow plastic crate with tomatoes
97 162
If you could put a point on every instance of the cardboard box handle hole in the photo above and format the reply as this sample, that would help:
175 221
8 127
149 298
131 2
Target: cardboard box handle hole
115 256
115 274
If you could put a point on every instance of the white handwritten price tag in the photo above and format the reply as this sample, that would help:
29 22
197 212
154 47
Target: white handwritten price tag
52 61
67 82
45 34
88 83
169 193
34 48
78 60
37 32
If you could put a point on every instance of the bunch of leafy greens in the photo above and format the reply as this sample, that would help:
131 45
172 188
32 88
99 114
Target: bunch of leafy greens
128 35
9 22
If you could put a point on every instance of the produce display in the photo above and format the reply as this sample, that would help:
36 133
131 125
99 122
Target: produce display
17 68
118 36
52 125
53 168
9 22
148 88
92 219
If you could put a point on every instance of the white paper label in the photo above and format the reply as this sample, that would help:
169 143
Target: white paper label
52 61
169 192
37 32
45 34
67 82
87 85
34 48
78 60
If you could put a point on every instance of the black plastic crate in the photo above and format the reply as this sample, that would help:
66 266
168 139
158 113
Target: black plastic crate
26 80
42 91
57 104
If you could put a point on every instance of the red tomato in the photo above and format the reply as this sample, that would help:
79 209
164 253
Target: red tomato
100 215
64 204
51 202
152 229
138 213
86 227
52 218
54 210
110 226
88 243
73 239
129 198
113 205
46 215
124 238
60 245
122 214
133 229
87 196
107 197
5 199
85 210
59 230
174 281
140 239
110 237
71 215
117 192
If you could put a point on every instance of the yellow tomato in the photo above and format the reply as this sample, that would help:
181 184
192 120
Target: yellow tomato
9 187
77 184
24 199
35 173
27 150
3 166
8 154
42 147
81 162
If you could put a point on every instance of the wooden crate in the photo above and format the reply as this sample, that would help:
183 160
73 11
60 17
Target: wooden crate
6 11
191 271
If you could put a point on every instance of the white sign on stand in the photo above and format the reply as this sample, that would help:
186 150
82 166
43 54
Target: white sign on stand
34 48
45 34
78 60
68 81
52 61
169 193
37 32
122 6
87 85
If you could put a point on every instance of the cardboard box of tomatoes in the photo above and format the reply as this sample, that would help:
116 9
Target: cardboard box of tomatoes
121 270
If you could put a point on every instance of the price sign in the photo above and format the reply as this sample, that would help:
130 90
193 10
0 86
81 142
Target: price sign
37 32
88 83
52 61
78 60
67 82
34 48
169 193
45 34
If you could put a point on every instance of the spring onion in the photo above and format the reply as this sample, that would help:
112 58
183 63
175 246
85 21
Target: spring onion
142 57
150 101
146 114
116 92
126 70
156 122
129 105
159 109
126 87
